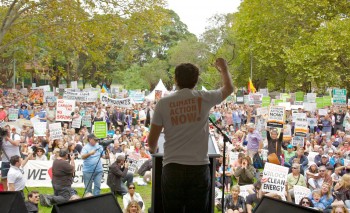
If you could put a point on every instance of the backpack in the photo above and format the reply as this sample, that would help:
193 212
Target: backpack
257 161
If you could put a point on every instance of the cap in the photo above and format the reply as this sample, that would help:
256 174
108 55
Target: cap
325 156
92 136
289 146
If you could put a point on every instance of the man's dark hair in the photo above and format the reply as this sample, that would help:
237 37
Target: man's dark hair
186 75
63 152
14 159
31 193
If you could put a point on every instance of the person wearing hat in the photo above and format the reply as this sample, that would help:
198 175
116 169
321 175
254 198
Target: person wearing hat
92 165
23 112
186 136
3 114
40 154
288 154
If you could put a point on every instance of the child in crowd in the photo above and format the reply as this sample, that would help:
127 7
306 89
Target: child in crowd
316 197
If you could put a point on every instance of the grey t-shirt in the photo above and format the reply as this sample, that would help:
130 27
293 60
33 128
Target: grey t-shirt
10 149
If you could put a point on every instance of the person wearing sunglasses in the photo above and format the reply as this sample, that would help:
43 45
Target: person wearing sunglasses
133 196
306 202
32 202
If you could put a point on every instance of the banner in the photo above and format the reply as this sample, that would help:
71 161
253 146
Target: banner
298 140
76 123
55 131
13 114
266 101
274 178
301 127
339 96
300 192
40 128
86 121
276 117
64 110
124 103
85 96
100 129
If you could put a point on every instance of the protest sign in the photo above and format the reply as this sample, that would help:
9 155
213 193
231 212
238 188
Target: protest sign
323 111
86 121
300 192
45 88
301 127
310 107
84 96
74 84
64 110
137 97
76 122
33 85
276 117
262 111
319 102
299 96
233 156
100 129
124 103
312 122
298 115
266 101
39 173
274 178
49 97
13 114
286 105
55 131
284 97
311 97
246 99
39 128
327 101
339 96
257 98
300 104
298 140
287 132
277 101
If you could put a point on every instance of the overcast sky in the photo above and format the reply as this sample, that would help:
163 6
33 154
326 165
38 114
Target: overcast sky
195 13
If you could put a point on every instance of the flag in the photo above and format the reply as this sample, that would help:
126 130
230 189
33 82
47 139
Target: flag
104 89
251 88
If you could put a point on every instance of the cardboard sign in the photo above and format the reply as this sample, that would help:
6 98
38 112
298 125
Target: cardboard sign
86 121
100 129
64 110
55 131
300 192
123 103
301 127
13 114
276 117
274 178
298 140
76 123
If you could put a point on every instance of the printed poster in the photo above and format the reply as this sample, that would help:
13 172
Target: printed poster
276 117
274 178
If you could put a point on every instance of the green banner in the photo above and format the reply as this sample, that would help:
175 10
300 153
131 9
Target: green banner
319 102
266 101
299 96
100 129
339 96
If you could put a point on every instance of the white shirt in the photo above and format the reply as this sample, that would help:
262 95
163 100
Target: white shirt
16 176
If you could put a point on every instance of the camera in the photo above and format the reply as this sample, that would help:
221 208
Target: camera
106 143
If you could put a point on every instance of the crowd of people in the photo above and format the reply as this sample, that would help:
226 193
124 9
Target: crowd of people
326 174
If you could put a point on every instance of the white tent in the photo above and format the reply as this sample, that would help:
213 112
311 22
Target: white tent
160 86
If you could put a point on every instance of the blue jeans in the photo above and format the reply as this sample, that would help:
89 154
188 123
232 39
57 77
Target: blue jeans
96 179
185 188
236 126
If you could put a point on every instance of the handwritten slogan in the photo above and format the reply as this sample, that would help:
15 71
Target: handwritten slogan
185 111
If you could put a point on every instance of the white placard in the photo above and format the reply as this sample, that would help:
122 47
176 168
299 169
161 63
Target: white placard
298 115
64 110
274 178
46 88
86 120
298 140
310 107
276 116
55 131
74 84
84 96
262 111
40 128
311 97
76 123
233 156
300 192
13 114
244 190
286 105
125 102
49 97
322 111
301 127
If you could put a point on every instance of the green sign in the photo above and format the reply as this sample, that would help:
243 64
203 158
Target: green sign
266 101
277 101
100 129
327 101
299 96
319 103
339 96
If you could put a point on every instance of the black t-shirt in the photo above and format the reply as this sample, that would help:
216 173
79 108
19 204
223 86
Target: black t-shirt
62 173
339 118
252 199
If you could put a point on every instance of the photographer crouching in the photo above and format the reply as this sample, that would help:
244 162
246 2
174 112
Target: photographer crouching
117 176
63 169
9 145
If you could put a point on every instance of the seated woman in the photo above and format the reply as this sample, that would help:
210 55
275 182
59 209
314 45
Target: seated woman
228 174
133 207
233 202
306 202
245 172
342 189
133 196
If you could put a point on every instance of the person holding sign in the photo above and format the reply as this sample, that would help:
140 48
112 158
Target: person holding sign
274 145
184 117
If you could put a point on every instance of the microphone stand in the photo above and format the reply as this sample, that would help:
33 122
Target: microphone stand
226 139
